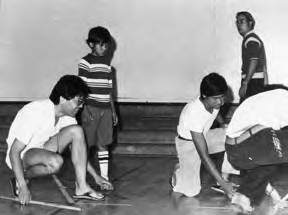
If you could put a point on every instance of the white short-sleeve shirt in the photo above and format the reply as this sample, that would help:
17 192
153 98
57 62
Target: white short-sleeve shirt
34 124
194 117
268 109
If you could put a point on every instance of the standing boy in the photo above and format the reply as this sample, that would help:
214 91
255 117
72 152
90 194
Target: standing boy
191 143
254 73
41 131
99 115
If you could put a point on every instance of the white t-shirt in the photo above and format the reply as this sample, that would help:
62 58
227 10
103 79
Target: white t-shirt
194 117
34 124
268 109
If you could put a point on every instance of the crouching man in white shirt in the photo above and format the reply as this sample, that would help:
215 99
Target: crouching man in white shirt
41 131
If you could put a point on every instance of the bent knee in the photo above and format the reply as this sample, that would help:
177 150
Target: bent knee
55 163
76 131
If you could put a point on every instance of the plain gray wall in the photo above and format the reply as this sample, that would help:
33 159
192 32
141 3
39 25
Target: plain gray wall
164 47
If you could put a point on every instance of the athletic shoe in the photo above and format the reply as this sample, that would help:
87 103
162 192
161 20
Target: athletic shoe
217 188
241 203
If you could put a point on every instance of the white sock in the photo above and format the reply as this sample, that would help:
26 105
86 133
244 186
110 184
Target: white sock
103 157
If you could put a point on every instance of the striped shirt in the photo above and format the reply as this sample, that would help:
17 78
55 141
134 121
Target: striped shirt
97 73
253 48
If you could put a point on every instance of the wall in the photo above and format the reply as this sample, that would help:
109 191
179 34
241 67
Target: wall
164 47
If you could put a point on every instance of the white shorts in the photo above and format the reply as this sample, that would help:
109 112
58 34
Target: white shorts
187 176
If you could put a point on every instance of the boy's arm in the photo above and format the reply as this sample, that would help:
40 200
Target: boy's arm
202 149
17 167
114 114
266 80
113 95
251 70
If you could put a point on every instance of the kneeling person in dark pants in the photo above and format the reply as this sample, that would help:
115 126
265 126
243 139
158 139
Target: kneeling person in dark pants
256 143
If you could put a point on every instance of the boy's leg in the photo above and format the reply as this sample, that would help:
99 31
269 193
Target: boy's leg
105 138
90 119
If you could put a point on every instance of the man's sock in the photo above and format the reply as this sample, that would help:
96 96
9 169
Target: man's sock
103 157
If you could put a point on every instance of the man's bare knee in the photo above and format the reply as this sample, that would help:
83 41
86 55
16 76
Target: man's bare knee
76 132
54 164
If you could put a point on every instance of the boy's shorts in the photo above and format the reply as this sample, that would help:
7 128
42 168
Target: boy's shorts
97 124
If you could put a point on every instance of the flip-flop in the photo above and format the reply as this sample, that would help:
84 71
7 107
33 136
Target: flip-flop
90 195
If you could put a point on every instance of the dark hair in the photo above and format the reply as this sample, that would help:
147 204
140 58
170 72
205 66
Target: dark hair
99 35
248 16
213 85
68 87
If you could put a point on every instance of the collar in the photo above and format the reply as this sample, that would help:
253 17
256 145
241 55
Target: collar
249 32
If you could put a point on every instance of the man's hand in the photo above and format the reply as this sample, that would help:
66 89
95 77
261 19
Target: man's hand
104 184
24 195
228 189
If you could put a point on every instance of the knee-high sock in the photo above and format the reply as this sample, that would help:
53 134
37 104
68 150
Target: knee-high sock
103 157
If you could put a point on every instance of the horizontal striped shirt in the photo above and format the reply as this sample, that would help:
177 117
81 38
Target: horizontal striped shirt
253 49
97 73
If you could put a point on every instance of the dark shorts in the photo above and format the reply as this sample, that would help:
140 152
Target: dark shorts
267 147
98 125
258 158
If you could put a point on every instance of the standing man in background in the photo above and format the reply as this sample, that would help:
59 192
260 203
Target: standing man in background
254 71
99 115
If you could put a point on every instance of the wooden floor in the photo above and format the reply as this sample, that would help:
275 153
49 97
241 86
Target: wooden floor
141 188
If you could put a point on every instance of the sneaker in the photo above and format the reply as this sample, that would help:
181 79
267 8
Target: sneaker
241 203
217 188
14 187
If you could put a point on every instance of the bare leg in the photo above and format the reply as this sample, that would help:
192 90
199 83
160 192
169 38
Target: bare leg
40 162
73 136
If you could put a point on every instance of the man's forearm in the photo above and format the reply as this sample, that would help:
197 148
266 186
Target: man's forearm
201 146
210 166
17 168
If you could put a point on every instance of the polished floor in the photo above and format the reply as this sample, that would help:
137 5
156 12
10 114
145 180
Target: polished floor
141 188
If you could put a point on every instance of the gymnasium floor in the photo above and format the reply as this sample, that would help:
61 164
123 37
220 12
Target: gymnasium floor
141 188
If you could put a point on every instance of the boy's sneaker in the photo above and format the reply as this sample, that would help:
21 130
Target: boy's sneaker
14 187
219 189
